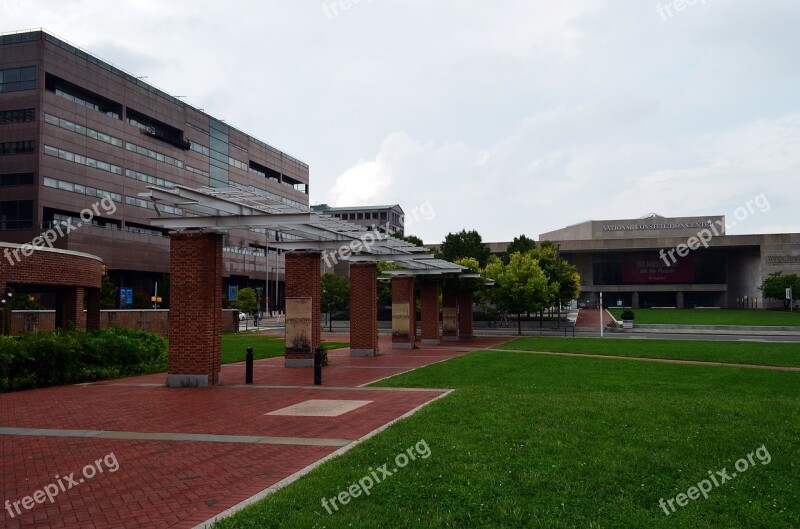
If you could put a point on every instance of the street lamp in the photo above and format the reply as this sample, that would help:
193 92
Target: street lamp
7 303
558 268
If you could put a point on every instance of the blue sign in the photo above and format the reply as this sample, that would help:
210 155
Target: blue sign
233 292
125 296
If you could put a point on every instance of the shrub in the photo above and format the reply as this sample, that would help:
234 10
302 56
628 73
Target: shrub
628 315
70 357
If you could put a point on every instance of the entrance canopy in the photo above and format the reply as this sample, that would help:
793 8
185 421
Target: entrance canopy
300 228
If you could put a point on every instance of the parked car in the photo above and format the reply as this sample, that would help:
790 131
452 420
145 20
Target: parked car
242 316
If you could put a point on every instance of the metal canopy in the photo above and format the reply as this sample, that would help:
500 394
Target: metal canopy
222 209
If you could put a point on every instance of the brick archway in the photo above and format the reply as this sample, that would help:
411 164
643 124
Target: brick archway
66 273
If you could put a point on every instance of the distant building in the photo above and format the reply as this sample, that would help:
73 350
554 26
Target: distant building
385 219
680 262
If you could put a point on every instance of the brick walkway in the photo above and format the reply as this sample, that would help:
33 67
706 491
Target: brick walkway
185 455
590 319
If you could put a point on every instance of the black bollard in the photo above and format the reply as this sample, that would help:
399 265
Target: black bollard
318 366
248 366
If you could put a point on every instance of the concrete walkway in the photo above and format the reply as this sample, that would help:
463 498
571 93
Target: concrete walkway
133 453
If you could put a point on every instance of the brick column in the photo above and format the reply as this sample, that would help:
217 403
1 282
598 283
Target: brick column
195 316
69 309
93 309
465 328
363 309
450 323
429 292
404 329
303 281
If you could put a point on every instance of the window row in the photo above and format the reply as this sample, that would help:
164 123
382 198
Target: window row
80 189
257 252
82 160
66 219
146 204
161 157
370 215
17 147
136 175
17 116
202 149
83 131
16 79
16 215
197 171
16 179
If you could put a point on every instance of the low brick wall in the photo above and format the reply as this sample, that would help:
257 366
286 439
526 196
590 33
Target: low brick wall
146 320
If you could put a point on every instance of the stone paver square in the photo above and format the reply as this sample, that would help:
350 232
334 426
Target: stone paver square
320 408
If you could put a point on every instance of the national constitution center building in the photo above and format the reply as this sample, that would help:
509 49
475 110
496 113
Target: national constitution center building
641 263
75 129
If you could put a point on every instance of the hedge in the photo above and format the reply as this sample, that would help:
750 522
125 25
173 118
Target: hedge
71 357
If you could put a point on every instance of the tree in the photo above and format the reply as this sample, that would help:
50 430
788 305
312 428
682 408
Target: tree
520 286
108 294
464 244
560 273
413 239
774 287
246 300
335 292
521 244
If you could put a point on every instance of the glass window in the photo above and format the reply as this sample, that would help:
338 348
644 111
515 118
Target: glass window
16 215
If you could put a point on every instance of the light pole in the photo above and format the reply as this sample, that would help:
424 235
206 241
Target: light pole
7 303
558 268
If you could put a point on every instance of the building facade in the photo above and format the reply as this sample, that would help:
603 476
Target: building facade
385 219
75 129
678 262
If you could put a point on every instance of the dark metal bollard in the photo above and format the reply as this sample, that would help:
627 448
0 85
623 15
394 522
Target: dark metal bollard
248 366
318 366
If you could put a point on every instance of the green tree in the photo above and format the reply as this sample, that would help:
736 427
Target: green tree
520 286
385 287
775 285
561 274
521 244
413 239
335 292
464 244
108 294
246 300
22 301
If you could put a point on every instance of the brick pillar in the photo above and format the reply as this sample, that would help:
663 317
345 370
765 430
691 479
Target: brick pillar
93 309
404 326
303 281
363 309
429 292
450 316
69 309
465 328
195 316
679 303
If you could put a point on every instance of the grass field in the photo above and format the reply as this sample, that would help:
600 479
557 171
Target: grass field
761 353
552 442
234 346
756 318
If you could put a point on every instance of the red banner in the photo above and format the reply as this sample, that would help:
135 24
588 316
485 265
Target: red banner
642 268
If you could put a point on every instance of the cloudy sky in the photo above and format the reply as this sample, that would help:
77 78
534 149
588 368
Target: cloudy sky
509 117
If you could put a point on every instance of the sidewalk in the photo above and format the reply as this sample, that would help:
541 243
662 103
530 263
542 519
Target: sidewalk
186 455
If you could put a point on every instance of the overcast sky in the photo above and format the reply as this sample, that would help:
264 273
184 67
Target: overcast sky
509 117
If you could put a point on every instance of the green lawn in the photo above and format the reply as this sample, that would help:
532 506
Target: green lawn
234 346
552 442
761 353
757 318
